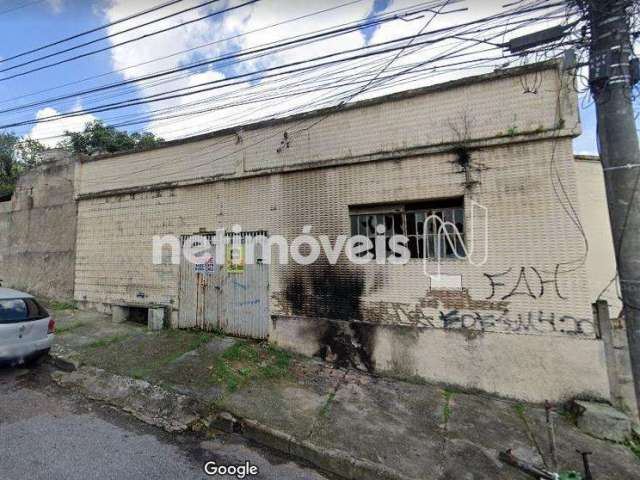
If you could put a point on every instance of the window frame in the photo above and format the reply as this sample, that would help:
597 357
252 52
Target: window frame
26 301
451 205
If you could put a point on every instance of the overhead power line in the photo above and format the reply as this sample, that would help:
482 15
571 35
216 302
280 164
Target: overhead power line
181 52
270 71
296 40
125 104
288 42
142 37
87 32
20 7
209 161
164 109
106 37
166 113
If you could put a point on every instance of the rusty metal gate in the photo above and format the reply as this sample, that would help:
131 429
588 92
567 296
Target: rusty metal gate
233 300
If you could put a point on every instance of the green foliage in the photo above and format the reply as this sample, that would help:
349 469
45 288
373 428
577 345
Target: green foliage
634 446
447 395
512 131
63 305
69 327
17 156
139 373
247 361
569 476
521 410
100 138
326 408
103 342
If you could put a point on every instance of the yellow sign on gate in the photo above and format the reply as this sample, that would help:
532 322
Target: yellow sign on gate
235 259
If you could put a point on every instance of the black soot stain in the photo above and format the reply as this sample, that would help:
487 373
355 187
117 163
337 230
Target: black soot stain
334 295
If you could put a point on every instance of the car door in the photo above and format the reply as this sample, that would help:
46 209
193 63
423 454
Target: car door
22 321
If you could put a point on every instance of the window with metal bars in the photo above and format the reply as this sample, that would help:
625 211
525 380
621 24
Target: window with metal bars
435 229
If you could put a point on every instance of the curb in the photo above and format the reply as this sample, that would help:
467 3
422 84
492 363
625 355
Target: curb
337 462
147 402
63 359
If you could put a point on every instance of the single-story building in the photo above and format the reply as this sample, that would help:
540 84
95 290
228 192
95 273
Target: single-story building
504 307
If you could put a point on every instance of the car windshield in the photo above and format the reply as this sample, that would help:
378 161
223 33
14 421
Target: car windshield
21 310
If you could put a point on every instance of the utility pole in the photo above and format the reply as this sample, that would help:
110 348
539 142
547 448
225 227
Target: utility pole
611 79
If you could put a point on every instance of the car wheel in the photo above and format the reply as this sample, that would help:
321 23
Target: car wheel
37 359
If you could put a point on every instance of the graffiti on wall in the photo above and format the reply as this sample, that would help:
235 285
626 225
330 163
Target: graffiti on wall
333 296
532 322
527 281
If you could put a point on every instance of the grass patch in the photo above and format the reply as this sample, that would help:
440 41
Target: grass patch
63 305
216 332
103 342
69 327
163 358
139 373
521 412
247 361
446 409
570 415
198 338
146 355
634 446
512 131
326 408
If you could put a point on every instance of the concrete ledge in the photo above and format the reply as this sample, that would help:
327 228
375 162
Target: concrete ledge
156 319
63 359
119 314
602 421
150 403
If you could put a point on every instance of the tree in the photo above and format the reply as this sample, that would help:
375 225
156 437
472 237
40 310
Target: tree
17 156
100 138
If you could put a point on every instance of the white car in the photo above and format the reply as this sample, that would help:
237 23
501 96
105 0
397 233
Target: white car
26 329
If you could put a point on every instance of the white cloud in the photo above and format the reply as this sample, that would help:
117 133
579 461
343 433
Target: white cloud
50 133
260 16
55 5
270 12
170 42
476 10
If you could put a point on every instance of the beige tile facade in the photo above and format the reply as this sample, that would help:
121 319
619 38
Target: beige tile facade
601 261
522 171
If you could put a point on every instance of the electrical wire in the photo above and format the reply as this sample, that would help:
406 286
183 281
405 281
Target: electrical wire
87 32
125 42
20 7
128 103
211 161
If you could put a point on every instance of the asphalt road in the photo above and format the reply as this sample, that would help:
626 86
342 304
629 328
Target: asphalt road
50 433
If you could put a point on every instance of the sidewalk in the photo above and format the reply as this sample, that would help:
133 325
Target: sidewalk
348 423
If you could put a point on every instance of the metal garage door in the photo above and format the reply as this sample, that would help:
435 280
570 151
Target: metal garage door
234 300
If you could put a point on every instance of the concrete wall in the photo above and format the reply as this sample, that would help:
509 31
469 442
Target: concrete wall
530 367
601 261
38 230
494 334
490 108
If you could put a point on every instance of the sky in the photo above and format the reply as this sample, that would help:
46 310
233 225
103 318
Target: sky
243 25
